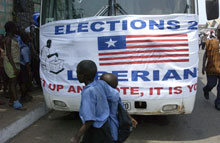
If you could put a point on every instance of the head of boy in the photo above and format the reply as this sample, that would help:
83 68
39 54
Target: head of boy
10 27
49 43
86 71
25 37
111 79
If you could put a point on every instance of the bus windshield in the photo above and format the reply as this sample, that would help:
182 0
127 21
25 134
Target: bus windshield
53 10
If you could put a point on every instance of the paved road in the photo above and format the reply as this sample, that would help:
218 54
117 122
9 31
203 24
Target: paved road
201 126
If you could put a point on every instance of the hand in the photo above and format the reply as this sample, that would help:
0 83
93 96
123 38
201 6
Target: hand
16 71
134 123
2 52
74 140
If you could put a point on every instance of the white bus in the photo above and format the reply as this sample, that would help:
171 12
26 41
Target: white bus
150 45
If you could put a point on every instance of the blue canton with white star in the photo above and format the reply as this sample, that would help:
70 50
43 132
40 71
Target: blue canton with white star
112 42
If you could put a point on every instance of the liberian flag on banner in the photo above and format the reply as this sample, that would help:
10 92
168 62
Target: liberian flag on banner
142 49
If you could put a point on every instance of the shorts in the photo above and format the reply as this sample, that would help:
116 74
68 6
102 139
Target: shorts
98 135
9 69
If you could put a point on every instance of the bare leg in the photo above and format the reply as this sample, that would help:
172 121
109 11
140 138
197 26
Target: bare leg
12 90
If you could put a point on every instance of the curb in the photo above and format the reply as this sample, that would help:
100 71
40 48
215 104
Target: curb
24 122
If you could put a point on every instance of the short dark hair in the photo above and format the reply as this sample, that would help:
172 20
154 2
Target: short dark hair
24 37
9 26
111 79
87 68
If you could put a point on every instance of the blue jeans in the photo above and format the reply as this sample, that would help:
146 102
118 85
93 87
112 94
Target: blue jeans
212 81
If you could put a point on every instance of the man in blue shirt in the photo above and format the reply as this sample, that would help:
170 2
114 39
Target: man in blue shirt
94 109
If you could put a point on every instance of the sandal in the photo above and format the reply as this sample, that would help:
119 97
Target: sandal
18 106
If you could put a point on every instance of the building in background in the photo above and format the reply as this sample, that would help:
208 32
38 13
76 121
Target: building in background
20 11
6 9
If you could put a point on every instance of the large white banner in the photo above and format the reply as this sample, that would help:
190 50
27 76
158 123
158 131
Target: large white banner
154 57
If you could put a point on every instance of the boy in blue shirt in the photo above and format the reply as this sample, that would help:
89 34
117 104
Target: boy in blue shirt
94 109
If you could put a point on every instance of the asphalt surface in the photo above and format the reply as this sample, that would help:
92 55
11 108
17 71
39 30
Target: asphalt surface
202 126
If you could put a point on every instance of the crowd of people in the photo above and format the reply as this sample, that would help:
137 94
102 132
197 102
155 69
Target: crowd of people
19 63
203 37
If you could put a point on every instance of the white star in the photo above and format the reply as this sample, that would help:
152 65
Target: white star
111 43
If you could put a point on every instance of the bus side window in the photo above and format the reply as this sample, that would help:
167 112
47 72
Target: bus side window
212 9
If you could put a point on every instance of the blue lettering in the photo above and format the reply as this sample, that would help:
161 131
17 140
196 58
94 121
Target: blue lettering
94 27
193 25
188 72
83 27
174 24
134 26
112 24
153 23
171 74
121 74
124 25
59 30
142 74
68 29
70 75
156 75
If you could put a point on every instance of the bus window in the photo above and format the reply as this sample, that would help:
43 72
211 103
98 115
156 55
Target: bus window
212 9
157 7
53 10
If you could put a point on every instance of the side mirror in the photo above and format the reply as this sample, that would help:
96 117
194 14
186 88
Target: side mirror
212 9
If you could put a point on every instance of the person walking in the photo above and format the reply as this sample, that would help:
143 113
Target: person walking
211 66
94 109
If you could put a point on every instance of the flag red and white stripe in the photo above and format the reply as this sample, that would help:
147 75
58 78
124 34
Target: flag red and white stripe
142 49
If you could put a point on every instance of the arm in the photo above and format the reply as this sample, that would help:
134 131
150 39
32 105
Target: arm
25 52
8 54
133 121
51 55
81 132
204 62
87 114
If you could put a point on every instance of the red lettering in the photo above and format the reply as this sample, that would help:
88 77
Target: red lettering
158 90
124 90
72 89
59 87
79 89
151 91
178 90
190 88
170 90
52 88
134 90
43 82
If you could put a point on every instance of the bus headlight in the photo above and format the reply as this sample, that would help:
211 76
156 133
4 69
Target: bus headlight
171 107
59 103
